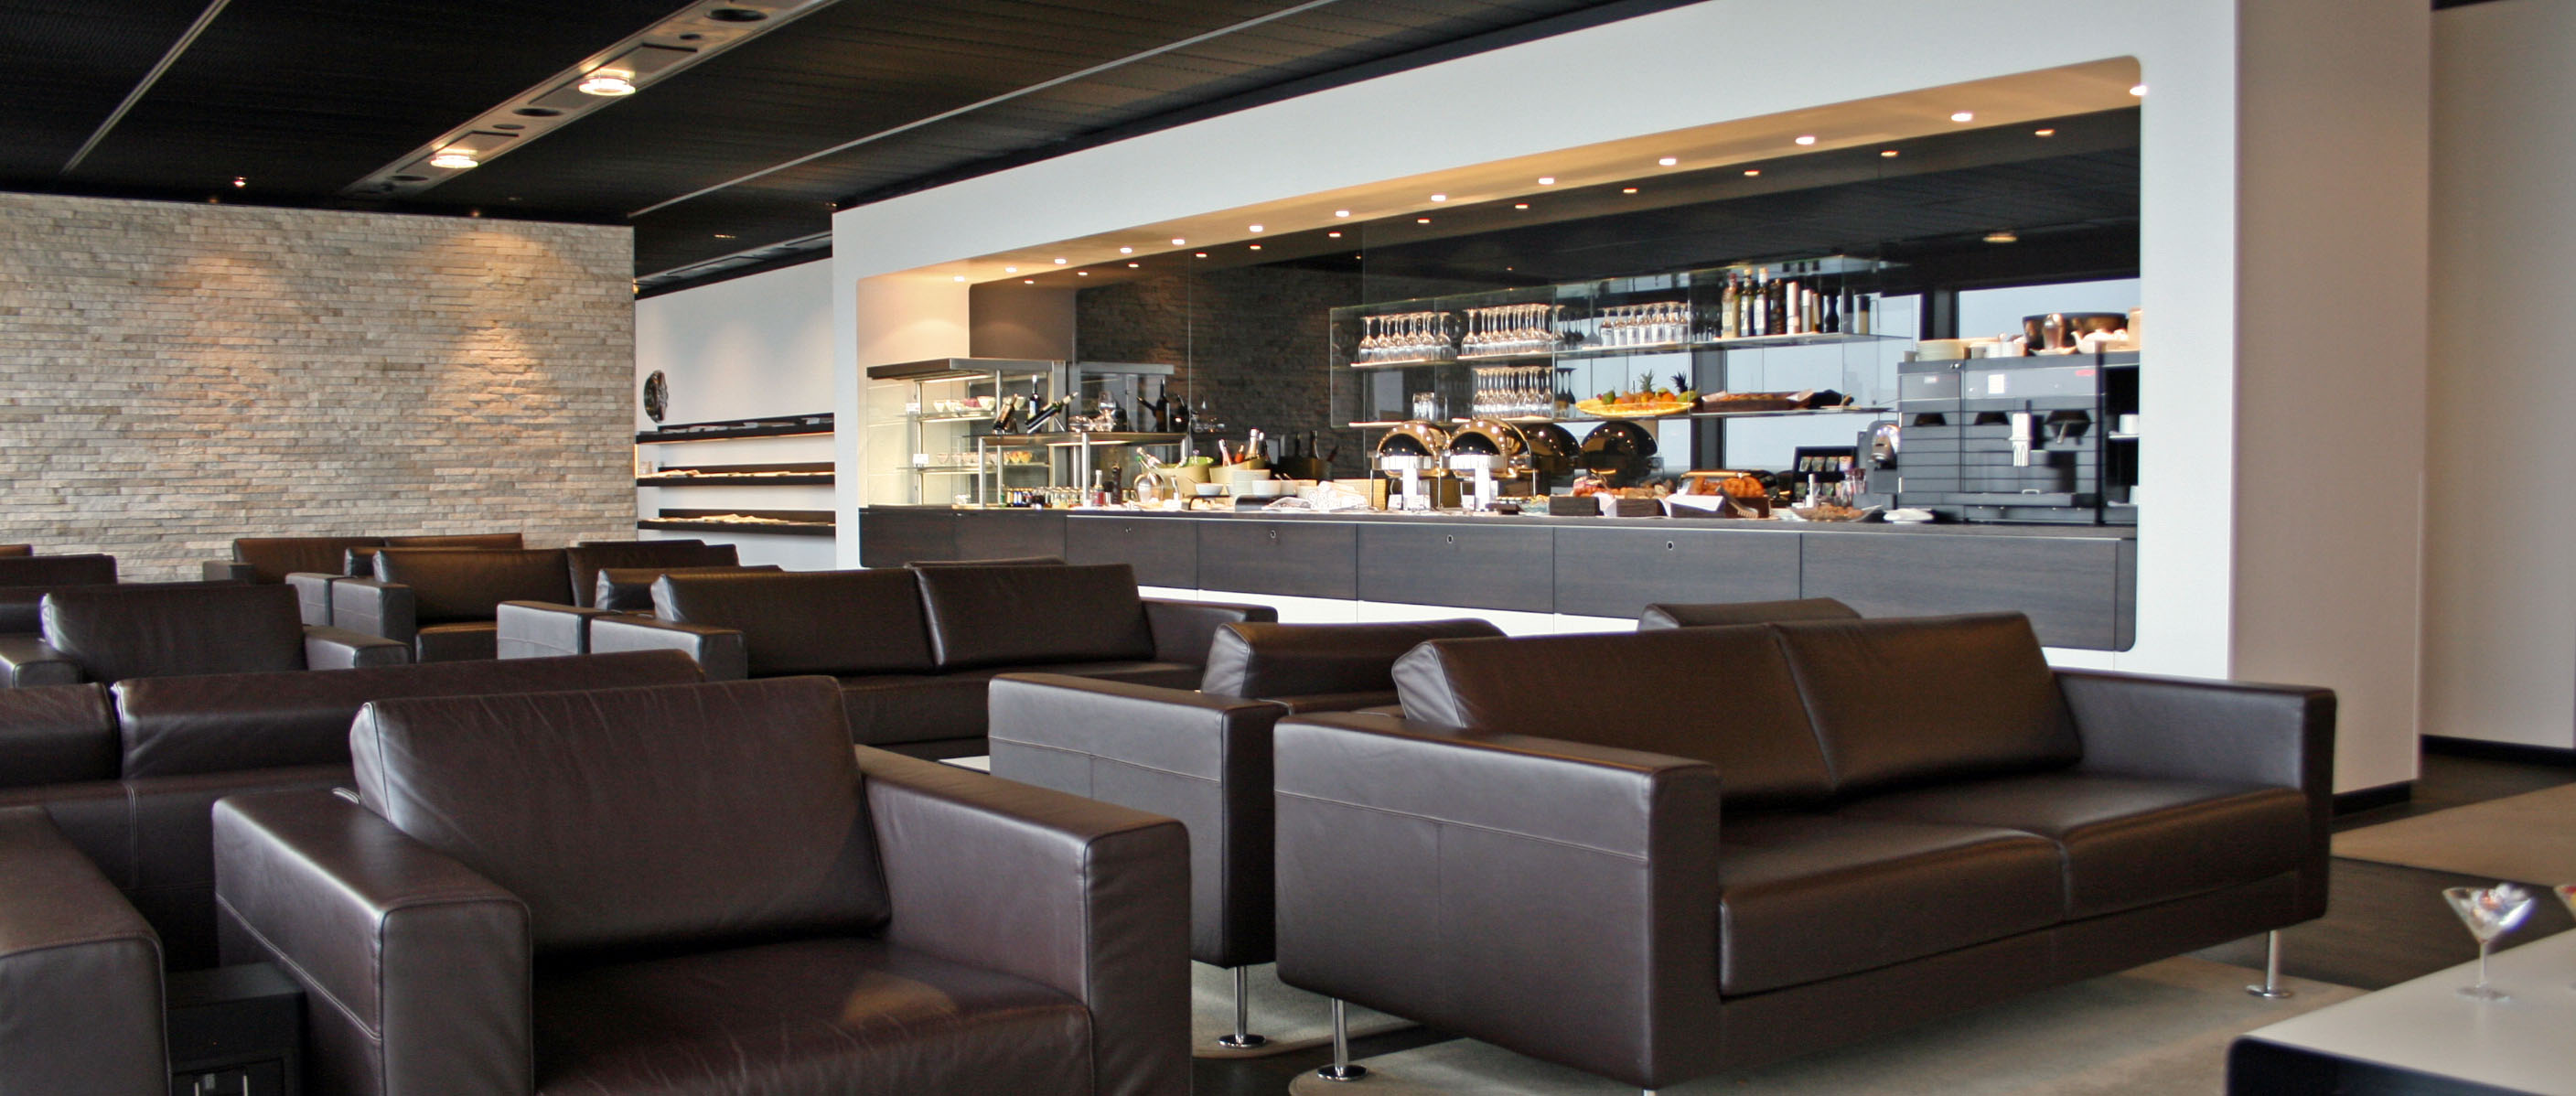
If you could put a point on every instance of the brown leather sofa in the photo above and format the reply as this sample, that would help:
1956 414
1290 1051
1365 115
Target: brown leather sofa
702 889
24 581
535 629
129 772
442 602
1204 757
1720 614
914 649
109 633
1760 841
270 559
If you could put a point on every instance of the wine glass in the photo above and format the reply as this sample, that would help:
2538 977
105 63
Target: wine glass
2489 912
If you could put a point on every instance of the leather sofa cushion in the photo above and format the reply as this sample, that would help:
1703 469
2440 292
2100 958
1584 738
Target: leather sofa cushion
460 540
808 622
450 585
53 734
119 633
274 558
810 1016
175 725
465 641
1806 897
636 817
896 709
81 570
586 561
17 549
1913 700
1743 612
2127 841
1269 659
630 589
1720 695
1032 615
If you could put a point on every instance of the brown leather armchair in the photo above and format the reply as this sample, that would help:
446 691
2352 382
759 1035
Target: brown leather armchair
443 602
110 633
1721 614
705 889
1834 828
916 649
82 1014
1204 757
269 560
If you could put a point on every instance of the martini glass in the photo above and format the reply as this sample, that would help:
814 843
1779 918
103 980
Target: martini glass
2489 912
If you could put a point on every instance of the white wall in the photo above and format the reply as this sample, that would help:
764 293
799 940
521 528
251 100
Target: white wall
2279 173
2500 587
752 347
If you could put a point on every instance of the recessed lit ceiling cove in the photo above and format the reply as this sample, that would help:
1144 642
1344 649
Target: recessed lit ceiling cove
696 33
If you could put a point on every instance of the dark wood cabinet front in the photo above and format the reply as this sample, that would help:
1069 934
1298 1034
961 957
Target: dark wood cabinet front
2070 587
1164 552
1458 564
892 537
1297 558
1009 534
1618 572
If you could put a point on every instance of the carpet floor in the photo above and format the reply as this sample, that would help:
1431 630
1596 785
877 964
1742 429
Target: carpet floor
2527 838
2161 1028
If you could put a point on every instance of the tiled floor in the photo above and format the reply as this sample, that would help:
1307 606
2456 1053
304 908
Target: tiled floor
2386 923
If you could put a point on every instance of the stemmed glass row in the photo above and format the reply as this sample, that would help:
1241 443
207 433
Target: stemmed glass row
1515 391
1510 329
1405 337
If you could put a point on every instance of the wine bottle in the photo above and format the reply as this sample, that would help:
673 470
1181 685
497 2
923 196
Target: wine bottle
1833 319
1726 310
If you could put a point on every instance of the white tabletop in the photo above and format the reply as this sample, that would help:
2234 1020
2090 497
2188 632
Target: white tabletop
2527 1044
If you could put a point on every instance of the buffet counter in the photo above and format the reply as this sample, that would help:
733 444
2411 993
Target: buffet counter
2077 583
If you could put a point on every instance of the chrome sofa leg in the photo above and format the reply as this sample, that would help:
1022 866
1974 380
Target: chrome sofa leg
1243 1038
1341 1069
2271 987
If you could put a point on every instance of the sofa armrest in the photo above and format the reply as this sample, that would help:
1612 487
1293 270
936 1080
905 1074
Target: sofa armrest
416 966
25 660
722 653
342 649
1540 893
83 1011
2195 729
539 629
1084 897
1202 759
313 595
225 570
1183 630
376 608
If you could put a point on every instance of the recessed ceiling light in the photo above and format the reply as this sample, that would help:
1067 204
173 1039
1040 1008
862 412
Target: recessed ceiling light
1133 266
241 180
1520 205
1547 180
1010 270
1201 255
2043 133
1082 273
1334 235
1805 139
1627 190
1439 197
1028 281
1964 116
958 278
1256 228
2004 236
1341 213
1126 251
1422 220
2139 90
608 83
1177 241
1888 152
1256 247
724 235
1751 172
454 159
1059 262
1668 161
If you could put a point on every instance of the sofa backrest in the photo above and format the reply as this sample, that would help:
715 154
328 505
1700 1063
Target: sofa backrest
588 560
1743 612
450 585
22 608
89 569
630 589
118 632
17 550
808 622
172 726
56 734
459 540
1269 659
274 558
1721 695
1001 561
628 817
1033 615
1902 701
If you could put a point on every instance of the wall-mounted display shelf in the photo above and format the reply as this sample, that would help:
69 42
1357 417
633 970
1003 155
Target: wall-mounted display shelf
784 426
791 474
793 523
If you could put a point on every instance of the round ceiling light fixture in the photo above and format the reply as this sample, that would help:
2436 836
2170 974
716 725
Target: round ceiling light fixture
729 14
609 83
1964 116
455 159
1805 139
2002 236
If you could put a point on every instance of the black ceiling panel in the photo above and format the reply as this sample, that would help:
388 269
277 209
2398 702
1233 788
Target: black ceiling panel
65 64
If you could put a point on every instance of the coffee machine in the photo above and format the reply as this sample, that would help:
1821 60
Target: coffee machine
2022 439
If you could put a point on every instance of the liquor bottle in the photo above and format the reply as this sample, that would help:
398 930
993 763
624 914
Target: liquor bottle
1797 302
1775 308
1726 310
1809 310
1833 319
1863 327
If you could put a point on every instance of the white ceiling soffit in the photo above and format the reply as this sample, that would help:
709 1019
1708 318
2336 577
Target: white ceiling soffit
689 36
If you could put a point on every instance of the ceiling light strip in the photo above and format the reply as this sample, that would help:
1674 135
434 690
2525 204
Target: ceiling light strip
764 251
150 78
1005 97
